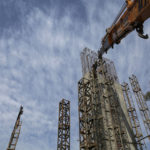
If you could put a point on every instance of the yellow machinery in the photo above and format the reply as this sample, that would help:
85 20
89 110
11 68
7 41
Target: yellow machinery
131 16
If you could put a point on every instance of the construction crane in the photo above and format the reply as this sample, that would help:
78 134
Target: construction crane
131 16
16 132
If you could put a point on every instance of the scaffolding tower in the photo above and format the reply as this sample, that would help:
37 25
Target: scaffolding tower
101 123
63 141
145 113
133 117
16 132
87 116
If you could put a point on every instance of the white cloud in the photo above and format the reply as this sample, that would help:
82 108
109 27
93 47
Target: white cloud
40 65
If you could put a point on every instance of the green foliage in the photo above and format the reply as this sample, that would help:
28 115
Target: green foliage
147 96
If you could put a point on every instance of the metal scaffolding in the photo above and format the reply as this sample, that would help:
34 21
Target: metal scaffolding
145 113
101 123
133 117
87 116
63 141
16 132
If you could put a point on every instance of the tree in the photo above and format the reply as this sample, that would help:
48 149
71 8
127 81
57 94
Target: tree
147 96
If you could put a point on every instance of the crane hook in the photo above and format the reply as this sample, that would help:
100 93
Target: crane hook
140 32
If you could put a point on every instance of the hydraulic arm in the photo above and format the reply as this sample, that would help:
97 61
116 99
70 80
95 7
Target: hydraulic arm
131 16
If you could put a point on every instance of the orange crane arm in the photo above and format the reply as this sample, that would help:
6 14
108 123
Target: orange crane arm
132 16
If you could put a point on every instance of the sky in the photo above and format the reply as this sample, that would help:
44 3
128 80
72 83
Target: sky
40 45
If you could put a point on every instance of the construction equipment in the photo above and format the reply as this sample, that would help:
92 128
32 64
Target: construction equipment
16 132
131 16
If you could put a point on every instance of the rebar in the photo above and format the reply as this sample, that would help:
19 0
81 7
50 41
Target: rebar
139 96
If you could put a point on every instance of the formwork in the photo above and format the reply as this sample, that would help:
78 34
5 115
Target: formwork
103 121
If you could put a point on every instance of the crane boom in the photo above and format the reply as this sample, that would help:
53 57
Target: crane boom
16 132
132 16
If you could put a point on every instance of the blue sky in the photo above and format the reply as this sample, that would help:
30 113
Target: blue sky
40 45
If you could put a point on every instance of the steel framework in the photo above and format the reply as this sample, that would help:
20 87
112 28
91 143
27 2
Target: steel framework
145 113
87 118
133 117
16 132
101 125
63 141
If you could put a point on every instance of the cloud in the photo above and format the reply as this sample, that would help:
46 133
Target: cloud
40 65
